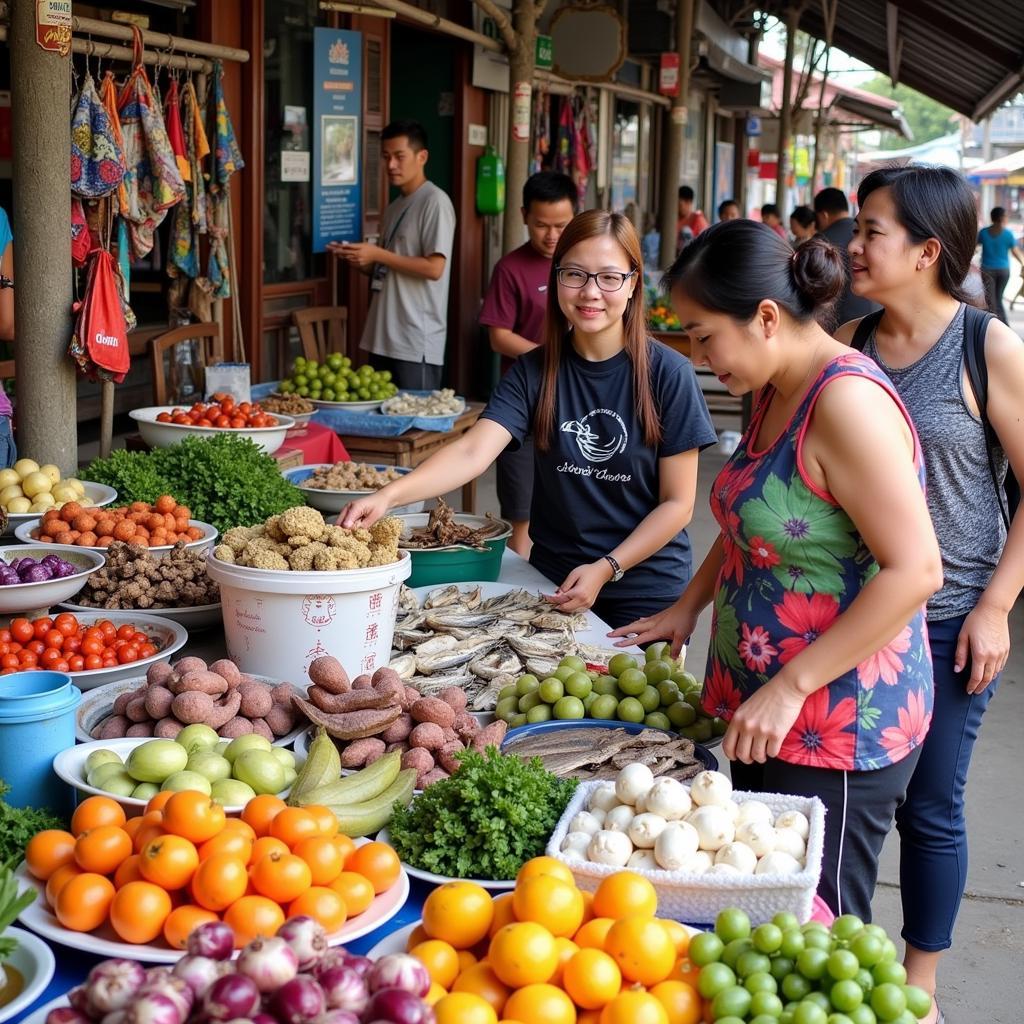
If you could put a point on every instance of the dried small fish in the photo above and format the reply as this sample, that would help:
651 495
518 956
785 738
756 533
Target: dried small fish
406 638
437 643
500 662
453 618
541 667
404 665
444 597
463 653
407 600
559 620
541 645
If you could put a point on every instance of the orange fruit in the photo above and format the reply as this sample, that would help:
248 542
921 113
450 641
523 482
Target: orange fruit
623 894
681 1001
219 881
265 845
524 953
377 862
566 950
260 811
251 916
416 936
138 912
592 979
545 866
642 949
540 1004
237 825
634 1007
323 857
344 844
232 842
460 913
193 816
325 819
588 906
293 824
57 880
95 811
481 980
84 902
146 833
678 933
466 959
132 825
49 850
593 933
464 1008
504 913
321 904
355 890
128 871
158 801
102 849
169 861
281 876
549 901
182 921
434 994
440 959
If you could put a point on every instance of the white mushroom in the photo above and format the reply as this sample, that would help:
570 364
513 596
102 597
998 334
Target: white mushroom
643 860
676 845
619 818
732 809
610 848
576 844
710 788
777 863
789 841
737 855
633 781
754 810
796 821
758 835
644 829
584 821
603 798
669 798
714 827
700 863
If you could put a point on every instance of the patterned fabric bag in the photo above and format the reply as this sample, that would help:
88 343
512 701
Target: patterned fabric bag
97 163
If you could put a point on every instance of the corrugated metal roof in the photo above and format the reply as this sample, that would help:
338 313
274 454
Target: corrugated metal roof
969 56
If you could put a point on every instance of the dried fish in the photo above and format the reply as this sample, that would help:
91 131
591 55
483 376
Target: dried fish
405 665
559 620
407 600
541 645
461 654
459 619
541 667
443 531
442 598
437 643
500 662
406 638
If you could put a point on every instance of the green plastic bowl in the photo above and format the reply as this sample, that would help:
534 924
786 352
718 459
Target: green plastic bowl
455 564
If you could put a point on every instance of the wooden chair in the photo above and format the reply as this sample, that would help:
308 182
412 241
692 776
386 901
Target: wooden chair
209 349
322 330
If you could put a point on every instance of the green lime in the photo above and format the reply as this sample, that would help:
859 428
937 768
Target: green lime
889 973
605 684
569 707
630 710
818 940
809 1013
846 995
715 978
767 1003
767 938
649 699
765 1018
786 1017
657 720
588 702
842 965
657 672
761 981
734 1001
692 697
731 1020
734 950
668 691
526 684
578 684
785 920
795 986
781 966
820 999
632 682
847 926
877 930
864 979
551 689
506 708
863 1014
701 730
792 942
705 948
540 713
620 662
838 1018
731 924
889 952
604 706
752 962
918 1001
681 714
812 963
516 721
508 691
888 1001
563 673
657 651
529 700
867 948
719 726
571 661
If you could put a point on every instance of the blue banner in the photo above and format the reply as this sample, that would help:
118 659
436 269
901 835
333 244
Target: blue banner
337 137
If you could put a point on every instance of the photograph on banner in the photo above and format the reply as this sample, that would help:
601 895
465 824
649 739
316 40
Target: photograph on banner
339 149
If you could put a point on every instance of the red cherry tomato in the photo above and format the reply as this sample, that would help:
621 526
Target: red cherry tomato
40 627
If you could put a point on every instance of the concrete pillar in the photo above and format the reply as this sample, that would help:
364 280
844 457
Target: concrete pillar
46 405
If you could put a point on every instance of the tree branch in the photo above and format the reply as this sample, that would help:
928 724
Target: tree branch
500 19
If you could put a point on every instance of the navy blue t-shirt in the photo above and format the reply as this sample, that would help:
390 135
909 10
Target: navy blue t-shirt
599 480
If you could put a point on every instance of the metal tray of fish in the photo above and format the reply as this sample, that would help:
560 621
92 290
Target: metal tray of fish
592 748
483 636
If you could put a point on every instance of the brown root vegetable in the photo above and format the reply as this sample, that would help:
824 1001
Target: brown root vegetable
282 694
200 681
465 726
225 709
411 696
256 700
158 701
124 699
352 725
450 735
136 710
433 709
419 759
260 728
362 752
434 775
353 700
113 728
141 728
235 728
393 689
281 719
159 674
403 747
167 728
446 755
454 697
328 673
398 730
386 676
228 670
192 707
491 736
427 735
361 682
190 664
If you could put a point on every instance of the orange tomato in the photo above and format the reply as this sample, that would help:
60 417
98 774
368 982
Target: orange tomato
460 913
251 916
416 936
642 949
128 871
261 811
158 801
219 881
540 1004
146 833
95 811
325 818
686 971
231 841
434 994
593 933
550 901
355 890
379 863
323 857
169 861
84 902
294 824
132 826
193 816
464 1008
634 1007
625 893
545 866
679 935
281 876
504 913
49 850
588 906
344 844
681 1001
138 912
265 845
440 959
182 921
57 881
321 904
592 979
567 949
237 825
466 960
480 980
102 849
524 953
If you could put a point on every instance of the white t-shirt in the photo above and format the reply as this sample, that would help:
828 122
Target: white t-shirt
408 317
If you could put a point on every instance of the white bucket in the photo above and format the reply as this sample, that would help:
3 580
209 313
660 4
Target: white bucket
277 622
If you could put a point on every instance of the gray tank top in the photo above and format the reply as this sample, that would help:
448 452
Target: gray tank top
961 498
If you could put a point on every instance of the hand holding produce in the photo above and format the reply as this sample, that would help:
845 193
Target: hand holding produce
222 412
28 570
29 487
336 381
158 525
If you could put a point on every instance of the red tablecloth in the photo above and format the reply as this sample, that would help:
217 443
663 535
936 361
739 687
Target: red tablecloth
317 444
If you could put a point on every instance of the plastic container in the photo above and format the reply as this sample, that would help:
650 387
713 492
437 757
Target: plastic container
458 563
37 722
277 622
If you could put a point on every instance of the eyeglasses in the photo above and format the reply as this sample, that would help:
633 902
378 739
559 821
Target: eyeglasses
607 280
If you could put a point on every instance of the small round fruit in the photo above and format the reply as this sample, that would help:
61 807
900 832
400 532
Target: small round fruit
242 744
524 953
620 662
102 849
355 890
630 710
657 720
193 816
95 811
464 1008
539 713
196 738
186 780
251 916
632 682
623 894
526 684
732 924
540 1004
551 690
458 913
379 864
642 948
551 902
98 757
592 978
605 706
258 769
634 1007
578 685
569 708
83 902
577 664
138 911
49 850
182 921
209 764
705 948
232 793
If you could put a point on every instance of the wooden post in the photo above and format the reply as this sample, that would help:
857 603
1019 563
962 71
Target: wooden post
522 60
786 114
46 398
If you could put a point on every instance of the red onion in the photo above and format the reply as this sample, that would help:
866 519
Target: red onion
398 1006
232 996
338 1017
200 972
307 939
154 1008
214 939
337 956
176 989
112 985
269 962
264 1018
344 989
399 970
116 1017
69 1015
78 997
362 965
298 1001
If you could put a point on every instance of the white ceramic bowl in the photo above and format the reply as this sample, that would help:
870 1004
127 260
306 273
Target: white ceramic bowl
70 766
163 435
100 494
22 597
331 501
33 960
194 619
369 406
24 534
99 704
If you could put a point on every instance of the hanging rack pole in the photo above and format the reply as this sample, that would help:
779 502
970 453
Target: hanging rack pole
109 50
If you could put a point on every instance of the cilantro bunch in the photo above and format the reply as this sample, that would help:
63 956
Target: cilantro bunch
493 814
19 824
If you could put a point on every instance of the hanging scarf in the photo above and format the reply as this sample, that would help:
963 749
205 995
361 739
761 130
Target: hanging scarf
190 216
108 96
97 163
175 134
227 158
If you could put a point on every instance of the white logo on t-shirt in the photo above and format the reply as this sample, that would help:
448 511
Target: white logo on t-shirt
593 444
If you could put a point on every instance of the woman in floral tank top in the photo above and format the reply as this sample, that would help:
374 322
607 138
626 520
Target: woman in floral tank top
819 652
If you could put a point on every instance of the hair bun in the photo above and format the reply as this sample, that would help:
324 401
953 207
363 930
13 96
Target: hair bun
819 271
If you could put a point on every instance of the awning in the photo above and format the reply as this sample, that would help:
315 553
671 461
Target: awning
864 110
1003 171
969 56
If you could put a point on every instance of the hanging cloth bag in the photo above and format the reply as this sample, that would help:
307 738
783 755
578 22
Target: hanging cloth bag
227 158
108 97
97 162
99 344
190 220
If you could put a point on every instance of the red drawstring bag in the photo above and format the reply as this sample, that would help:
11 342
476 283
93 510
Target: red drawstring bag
99 344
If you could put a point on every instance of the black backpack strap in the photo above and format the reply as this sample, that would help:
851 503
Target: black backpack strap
864 329
976 323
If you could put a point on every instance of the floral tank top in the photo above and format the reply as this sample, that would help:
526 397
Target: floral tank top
793 563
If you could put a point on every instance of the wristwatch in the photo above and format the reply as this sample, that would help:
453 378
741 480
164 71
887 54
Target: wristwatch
6 282
617 571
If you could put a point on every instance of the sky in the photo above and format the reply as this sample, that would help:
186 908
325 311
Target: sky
849 70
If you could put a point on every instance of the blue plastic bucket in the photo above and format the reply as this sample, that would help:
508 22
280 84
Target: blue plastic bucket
37 722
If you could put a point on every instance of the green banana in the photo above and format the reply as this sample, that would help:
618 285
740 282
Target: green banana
323 765
358 787
372 815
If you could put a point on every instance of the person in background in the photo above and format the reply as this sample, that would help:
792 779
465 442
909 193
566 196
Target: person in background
617 420
8 452
915 239
770 215
407 324
997 244
513 313
690 222
832 216
802 224
651 242
728 209
825 554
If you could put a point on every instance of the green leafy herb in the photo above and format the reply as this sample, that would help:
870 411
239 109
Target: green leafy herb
496 812
11 905
132 474
19 824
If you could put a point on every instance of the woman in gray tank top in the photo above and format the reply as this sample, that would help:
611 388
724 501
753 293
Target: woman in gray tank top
911 252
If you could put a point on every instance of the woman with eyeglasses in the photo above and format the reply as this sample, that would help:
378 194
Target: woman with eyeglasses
617 420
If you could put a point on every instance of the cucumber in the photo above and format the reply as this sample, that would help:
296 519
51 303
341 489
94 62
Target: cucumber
362 819
323 765
357 788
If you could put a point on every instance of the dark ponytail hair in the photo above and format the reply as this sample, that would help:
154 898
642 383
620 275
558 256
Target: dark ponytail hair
734 266
933 202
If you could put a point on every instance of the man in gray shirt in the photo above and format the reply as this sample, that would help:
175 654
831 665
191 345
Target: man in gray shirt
832 216
407 323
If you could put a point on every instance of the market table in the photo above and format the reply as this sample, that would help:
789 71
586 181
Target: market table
315 443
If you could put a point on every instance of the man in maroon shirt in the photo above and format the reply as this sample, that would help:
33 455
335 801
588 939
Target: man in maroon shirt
690 221
513 311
